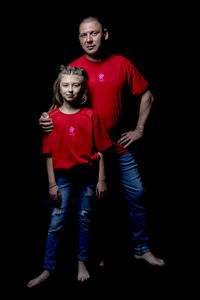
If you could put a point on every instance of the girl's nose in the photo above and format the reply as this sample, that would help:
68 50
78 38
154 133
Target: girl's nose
70 88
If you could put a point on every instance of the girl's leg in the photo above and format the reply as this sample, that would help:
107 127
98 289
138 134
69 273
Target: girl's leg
86 194
58 216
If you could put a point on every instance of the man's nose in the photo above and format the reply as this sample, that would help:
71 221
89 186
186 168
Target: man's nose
89 38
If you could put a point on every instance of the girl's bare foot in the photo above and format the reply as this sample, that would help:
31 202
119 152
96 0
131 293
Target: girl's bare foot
83 273
38 280
151 259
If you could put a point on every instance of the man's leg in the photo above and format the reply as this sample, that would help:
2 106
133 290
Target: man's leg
133 192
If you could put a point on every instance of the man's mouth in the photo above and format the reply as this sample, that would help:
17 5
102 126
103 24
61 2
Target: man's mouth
90 47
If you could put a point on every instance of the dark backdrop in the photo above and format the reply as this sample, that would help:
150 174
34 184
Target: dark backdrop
41 39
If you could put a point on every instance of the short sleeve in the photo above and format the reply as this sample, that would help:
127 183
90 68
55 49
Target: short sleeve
137 83
102 140
46 144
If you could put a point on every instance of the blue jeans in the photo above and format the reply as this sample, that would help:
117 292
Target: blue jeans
70 189
133 192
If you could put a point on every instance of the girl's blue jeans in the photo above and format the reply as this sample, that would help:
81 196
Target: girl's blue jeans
70 189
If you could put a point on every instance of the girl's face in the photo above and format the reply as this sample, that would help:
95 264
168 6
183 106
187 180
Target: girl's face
70 87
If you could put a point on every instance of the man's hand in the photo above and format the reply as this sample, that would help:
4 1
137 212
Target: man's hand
46 123
127 138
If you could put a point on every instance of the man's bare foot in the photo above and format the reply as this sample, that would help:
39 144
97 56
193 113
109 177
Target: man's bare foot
83 273
151 259
38 280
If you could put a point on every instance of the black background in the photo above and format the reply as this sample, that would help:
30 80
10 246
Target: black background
37 40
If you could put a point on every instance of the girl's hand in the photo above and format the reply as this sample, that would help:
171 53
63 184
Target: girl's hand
54 193
101 189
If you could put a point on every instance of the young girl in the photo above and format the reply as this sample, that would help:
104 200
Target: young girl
75 164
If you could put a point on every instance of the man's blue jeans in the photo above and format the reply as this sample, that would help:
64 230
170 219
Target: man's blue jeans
133 192
83 193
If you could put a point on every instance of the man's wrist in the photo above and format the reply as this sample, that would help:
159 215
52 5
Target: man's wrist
140 128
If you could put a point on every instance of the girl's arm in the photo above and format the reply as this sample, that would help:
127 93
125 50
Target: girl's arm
101 187
53 188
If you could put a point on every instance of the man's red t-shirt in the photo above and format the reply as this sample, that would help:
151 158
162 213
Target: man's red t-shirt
75 139
106 81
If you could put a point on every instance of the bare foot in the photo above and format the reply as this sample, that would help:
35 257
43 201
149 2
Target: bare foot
41 278
151 259
83 273
101 264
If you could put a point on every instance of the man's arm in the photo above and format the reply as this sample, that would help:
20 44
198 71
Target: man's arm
127 138
46 123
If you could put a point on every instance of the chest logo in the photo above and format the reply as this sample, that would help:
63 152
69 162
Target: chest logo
71 131
101 77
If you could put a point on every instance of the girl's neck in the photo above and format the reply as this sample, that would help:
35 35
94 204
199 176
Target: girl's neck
66 108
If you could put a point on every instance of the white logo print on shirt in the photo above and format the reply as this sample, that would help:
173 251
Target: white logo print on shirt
71 131
101 77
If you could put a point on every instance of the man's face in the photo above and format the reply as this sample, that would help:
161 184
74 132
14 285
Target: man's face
91 37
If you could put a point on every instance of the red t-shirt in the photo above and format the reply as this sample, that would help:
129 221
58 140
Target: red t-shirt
106 81
75 138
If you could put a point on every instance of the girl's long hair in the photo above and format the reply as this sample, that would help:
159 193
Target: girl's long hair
57 100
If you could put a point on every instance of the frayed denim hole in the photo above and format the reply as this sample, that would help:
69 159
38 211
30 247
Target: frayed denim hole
84 216
57 211
90 192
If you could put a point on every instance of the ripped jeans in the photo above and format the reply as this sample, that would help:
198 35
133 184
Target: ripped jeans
83 193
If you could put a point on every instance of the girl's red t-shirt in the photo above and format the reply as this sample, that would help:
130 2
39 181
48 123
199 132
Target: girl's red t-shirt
75 139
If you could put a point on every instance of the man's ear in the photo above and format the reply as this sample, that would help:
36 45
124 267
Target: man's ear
105 33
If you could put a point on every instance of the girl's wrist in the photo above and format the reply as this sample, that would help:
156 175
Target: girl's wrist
101 179
52 185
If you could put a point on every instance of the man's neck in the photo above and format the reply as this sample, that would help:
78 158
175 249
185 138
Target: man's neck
94 58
